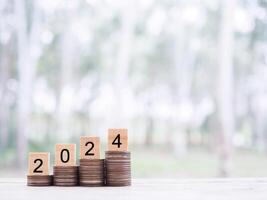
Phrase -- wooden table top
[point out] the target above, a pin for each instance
(182, 189)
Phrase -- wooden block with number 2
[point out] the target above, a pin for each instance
(118, 140)
(65, 155)
(38, 163)
(89, 147)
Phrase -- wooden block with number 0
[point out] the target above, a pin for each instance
(38, 163)
(65, 155)
(89, 147)
(118, 140)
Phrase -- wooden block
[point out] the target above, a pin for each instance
(38, 163)
(118, 139)
(89, 147)
(65, 155)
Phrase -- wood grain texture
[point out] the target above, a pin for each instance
(155, 189)
(39, 161)
(71, 148)
(85, 146)
(112, 134)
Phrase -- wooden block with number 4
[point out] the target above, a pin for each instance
(118, 140)
(89, 147)
(65, 155)
(38, 163)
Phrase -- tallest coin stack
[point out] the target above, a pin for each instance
(118, 158)
(118, 168)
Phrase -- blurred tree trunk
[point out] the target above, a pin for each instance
(68, 61)
(65, 85)
(122, 62)
(5, 51)
(149, 131)
(225, 88)
(182, 61)
(27, 55)
(6, 58)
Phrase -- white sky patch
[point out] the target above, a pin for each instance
(43, 98)
(193, 15)
(67, 99)
(81, 30)
(156, 22)
(47, 37)
(243, 21)
(50, 6)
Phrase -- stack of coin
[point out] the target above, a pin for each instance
(118, 168)
(39, 180)
(91, 172)
(66, 175)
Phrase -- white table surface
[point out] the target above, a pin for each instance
(161, 189)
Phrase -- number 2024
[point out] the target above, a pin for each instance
(116, 141)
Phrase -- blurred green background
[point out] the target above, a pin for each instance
(186, 77)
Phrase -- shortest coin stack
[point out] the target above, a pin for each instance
(91, 172)
(65, 175)
(39, 180)
(118, 168)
